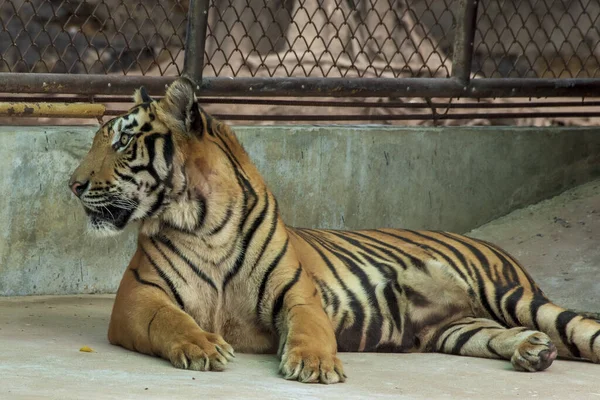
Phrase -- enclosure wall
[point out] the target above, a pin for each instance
(335, 177)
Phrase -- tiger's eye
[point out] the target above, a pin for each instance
(124, 139)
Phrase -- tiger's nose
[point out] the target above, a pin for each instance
(78, 187)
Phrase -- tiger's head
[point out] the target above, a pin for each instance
(135, 167)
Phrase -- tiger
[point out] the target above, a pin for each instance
(216, 268)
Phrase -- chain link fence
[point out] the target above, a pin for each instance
(386, 60)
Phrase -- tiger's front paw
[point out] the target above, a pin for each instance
(201, 351)
(311, 365)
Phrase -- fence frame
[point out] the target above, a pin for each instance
(459, 84)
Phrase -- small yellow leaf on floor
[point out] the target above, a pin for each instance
(86, 349)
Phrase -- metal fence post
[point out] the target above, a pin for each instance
(464, 36)
(197, 25)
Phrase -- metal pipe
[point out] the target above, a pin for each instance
(195, 39)
(305, 87)
(81, 84)
(533, 87)
(404, 117)
(54, 110)
(464, 38)
(221, 86)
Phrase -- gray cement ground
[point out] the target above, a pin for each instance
(40, 359)
(558, 239)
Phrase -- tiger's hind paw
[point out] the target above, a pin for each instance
(536, 353)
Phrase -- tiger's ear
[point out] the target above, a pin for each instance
(141, 96)
(179, 105)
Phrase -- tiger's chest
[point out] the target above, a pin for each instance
(230, 314)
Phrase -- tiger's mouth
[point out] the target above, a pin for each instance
(109, 218)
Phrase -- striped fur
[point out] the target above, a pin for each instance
(217, 269)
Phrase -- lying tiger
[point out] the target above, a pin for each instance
(217, 269)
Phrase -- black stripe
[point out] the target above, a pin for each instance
(149, 142)
(165, 278)
(464, 338)
(281, 297)
(224, 222)
(201, 216)
(147, 127)
(387, 251)
(125, 177)
(134, 150)
(323, 292)
(460, 257)
(263, 283)
(369, 255)
(332, 298)
(416, 262)
(509, 271)
(393, 305)
(168, 150)
(341, 327)
(137, 277)
(374, 331)
(513, 261)
(593, 339)
(246, 241)
(510, 304)
(247, 189)
(267, 241)
(348, 339)
(162, 253)
(562, 321)
(480, 281)
(537, 301)
(442, 346)
(491, 349)
(160, 197)
(167, 242)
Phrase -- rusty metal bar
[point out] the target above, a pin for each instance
(305, 87)
(211, 86)
(464, 36)
(53, 110)
(81, 84)
(404, 117)
(533, 87)
(195, 40)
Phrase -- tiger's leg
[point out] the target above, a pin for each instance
(528, 350)
(307, 343)
(146, 320)
(574, 335)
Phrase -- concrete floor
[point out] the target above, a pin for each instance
(40, 358)
(40, 337)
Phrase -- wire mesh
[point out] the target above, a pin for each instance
(271, 46)
(538, 39)
(334, 38)
(91, 37)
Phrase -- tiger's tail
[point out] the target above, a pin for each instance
(575, 335)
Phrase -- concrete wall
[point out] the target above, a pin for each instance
(338, 177)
